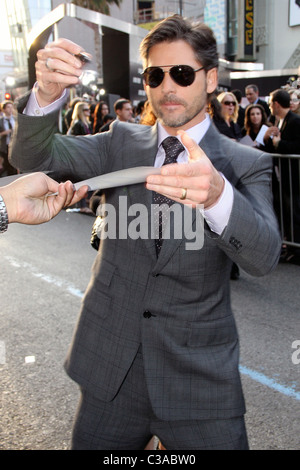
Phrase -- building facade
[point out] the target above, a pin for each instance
(253, 36)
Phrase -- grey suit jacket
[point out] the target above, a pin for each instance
(188, 334)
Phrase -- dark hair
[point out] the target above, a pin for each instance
(107, 117)
(98, 120)
(238, 94)
(214, 108)
(120, 103)
(140, 106)
(254, 87)
(282, 97)
(98, 108)
(199, 36)
(248, 124)
(5, 103)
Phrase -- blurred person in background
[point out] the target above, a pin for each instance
(285, 139)
(68, 114)
(241, 116)
(295, 100)
(252, 95)
(123, 110)
(80, 124)
(225, 116)
(139, 111)
(7, 124)
(255, 118)
(101, 110)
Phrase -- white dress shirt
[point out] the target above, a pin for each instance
(217, 216)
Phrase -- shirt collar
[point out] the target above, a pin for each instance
(196, 132)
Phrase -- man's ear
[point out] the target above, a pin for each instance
(211, 80)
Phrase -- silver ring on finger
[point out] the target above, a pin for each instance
(47, 65)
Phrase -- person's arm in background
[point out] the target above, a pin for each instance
(31, 199)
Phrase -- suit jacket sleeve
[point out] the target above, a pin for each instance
(251, 237)
(37, 145)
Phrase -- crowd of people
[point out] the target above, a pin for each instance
(84, 115)
(241, 123)
(279, 118)
(273, 127)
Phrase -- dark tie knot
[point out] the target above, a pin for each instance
(9, 123)
(173, 147)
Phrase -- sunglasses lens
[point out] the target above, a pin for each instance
(153, 76)
(183, 75)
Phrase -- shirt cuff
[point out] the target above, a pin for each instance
(217, 217)
(33, 108)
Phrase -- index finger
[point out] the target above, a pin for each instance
(65, 44)
(62, 52)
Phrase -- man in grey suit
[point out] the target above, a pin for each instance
(155, 350)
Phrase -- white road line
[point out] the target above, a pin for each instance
(45, 277)
(256, 376)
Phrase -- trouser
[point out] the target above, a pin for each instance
(7, 170)
(128, 423)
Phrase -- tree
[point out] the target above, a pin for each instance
(101, 6)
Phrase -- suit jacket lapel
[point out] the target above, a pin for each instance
(212, 146)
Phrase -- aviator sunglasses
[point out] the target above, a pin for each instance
(183, 75)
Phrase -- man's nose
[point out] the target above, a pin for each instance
(168, 83)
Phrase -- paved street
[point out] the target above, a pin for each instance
(44, 271)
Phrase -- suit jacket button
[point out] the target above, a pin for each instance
(147, 314)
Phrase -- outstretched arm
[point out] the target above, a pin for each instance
(31, 199)
(57, 68)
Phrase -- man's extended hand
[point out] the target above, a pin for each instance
(199, 177)
(56, 69)
(28, 199)
(272, 132)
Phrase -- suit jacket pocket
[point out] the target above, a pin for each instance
(98, 304)
(103, 271)
(97, 299)
(212, 333)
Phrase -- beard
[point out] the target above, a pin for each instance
(173, 118)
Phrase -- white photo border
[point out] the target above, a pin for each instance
(294, 13)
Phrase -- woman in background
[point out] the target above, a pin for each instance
(80, 124)
(295, 100)
(255, 118)
(225, 115)
(100, 111)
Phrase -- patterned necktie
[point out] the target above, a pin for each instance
(172, 147)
